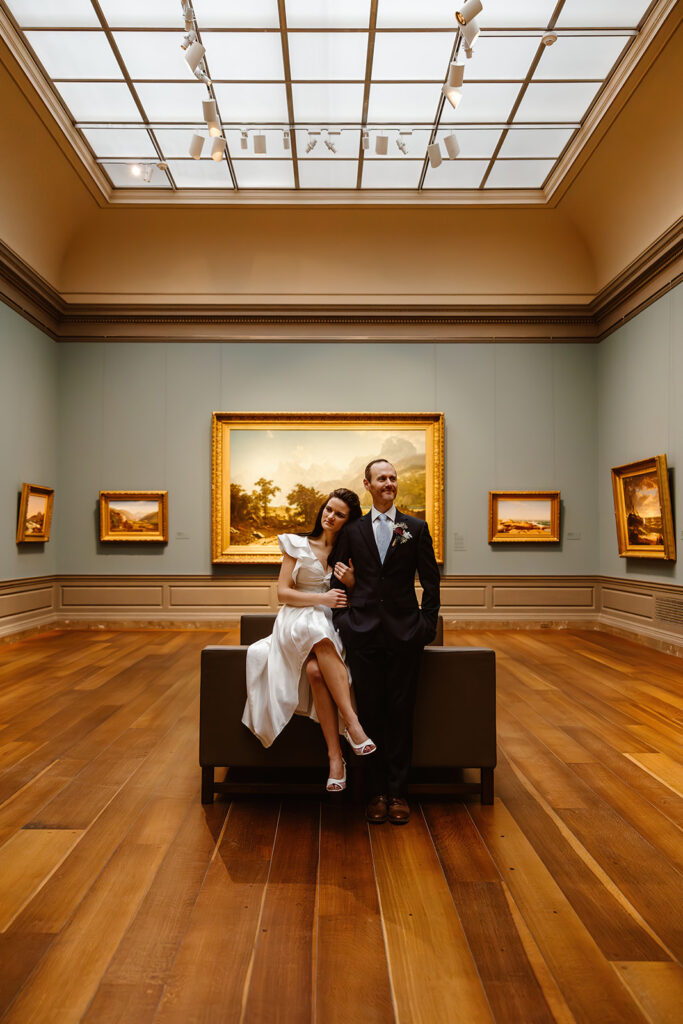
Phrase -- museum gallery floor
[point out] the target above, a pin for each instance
(124, 899)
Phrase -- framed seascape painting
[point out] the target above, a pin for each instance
(524, 516)
(35, 513)
(272, 471)
(642, 507)
(134, 515)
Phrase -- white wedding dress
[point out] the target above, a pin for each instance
(277, 685)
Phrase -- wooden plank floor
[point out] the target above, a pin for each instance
(123, 899)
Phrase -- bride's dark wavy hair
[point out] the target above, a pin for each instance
(350, 498)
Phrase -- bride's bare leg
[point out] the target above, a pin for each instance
(337, 682)
(326, 711)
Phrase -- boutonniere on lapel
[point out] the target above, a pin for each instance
(401, 535)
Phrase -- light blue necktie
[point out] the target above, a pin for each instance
(383, 536)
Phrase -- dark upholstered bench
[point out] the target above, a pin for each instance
(455, 724)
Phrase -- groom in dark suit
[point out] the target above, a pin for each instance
(384, 631)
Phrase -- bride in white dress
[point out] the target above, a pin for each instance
(304, 654)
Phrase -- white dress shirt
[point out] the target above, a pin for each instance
(390, 514)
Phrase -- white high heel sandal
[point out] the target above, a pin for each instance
(363, 748)
(337, 785)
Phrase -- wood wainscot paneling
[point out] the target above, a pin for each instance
(652, 612)
(27, 604)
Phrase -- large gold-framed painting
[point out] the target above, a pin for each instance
(271, 472)
(642, 506)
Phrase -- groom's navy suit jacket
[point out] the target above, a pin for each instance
(383, 605)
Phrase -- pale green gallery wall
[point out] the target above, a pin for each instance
(640, 412)
(90, 416)
(28, 436)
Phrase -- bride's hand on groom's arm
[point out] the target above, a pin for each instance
(344, 573)
(334, 599)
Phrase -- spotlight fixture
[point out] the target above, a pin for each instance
(434, 154)
(330, 145)
(217, 149)
(259, 143)
(193, 55)
(452, 147)
(147, 173)
(452, 95)
(136, 170)
(196, 146)
(549, 38)
(381, 144)
(189, 38)
(312, 141)
(188, 17)
(401, 146)
(244, 140)
(366, 140)
(209, 110)
(214, 129)
(285, 140)
(468, 11)
(456, 75)
(470, 34)
(202, 76)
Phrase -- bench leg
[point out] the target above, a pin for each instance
(207, 785)
(487, 785)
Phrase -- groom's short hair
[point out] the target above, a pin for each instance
(368, 468)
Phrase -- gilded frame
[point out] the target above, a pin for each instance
(430, 435)
(38, 532)
(524, 532)
(638, 487)
(157, 532)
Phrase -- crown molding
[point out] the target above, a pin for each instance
(654, 272)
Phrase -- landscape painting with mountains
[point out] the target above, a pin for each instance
(36, 510)
(529, 519)
(132, 516)
(643, 507)
(279, 478)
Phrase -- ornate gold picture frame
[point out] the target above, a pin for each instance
(134, 516)
(271, 471)
(642, 508)
(35, 514)
(524, 517)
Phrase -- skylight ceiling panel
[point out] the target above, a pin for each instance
(483, 102)
(66, 13)
(501, 57)
(475, 143)
(200, 173)
(556, 101)
(515, 14)
(153, 55)
(236, 13)
(410, 103)
(139, 14)
(406, 56)
(275, 147)
(171, 101)
(121, 176)
(328, 56)
(578, 57)
(175, 142)
(244, 55)
(519, 173)
(328, 173)
(123, 142)
(456, 174)
(409, 14)
(264, 103)
(605, 14)
(327, 13)
(327, 104)
(347, 145)
(391, 173)
(99, 101)
(264, 173)
(75, 54)
(521, 142)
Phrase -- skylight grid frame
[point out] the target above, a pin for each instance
(370, 31)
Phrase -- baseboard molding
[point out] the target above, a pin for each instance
(650, 612)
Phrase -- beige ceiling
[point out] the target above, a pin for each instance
(622, 195)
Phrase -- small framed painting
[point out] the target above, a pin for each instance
(524, 516)
(35, 513)
(642, 507)
(134, 515)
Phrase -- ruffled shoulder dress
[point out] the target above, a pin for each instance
(277, 685)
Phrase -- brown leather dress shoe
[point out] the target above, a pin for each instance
(377, 810)
(399, 811)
